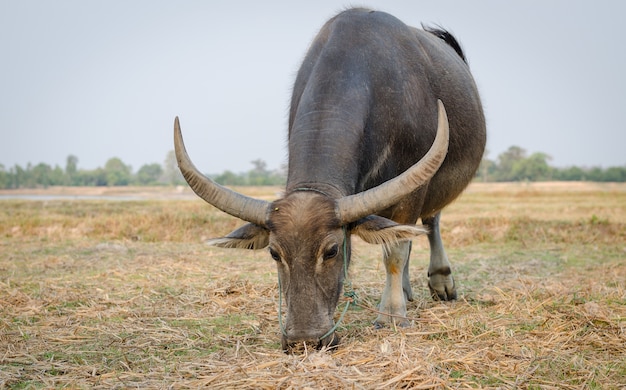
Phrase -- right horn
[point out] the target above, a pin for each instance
(354, 207)
(231, 202)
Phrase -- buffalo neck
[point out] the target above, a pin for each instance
(324, 151)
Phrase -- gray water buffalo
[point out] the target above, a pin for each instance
(385, 127)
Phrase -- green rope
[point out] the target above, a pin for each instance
(348, 293)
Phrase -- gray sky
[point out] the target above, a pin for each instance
(101, 79)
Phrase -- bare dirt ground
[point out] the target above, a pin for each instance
(98, 293)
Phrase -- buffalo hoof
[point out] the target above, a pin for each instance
(397, 322)
(442, 287)
(303, 346)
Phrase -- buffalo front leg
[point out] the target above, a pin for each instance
(393, 301)
(406, 278)
(440, 280)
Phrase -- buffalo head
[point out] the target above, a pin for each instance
(308, 233)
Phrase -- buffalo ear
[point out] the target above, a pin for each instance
(249, 236)
(378, 230)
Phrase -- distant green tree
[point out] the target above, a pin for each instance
(117, 173)
(277, 177)
(149, 174)
(5, 177)
(506, 161)
(259, 175)
(58, 176)
(595, 174)
(92, 178)
(171, 173)
(26, 177)
(615, 174)
(16, 173)
(533, 168)
(71, 169)
(40, 175)
(228, 178)
(569, 174)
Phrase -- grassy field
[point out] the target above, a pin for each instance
(115, 294)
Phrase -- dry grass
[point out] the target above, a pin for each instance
(118, 294)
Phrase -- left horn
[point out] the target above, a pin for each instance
(357, 206)
(231, 202)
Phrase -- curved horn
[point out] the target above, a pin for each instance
(231, 202)
(357, 206)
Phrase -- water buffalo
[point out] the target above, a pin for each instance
(371, 150)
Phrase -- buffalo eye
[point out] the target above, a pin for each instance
(274, 254)
(331, 252)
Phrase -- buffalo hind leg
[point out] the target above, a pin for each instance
(393, 301)
(440, 280)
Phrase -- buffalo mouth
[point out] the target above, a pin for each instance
(299, 347)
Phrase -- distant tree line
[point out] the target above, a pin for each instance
(515, 164)
(259, 175)
(116, 173)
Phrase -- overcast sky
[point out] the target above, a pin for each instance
(102, 79)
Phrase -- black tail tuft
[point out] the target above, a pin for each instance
(448, 38)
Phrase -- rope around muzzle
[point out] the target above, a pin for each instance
(348, 293)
